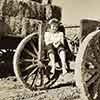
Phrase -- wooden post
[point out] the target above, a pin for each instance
(40, 41)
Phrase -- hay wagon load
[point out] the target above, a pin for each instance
(19, 19)
(22, 27)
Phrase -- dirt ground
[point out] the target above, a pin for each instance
(63, 89)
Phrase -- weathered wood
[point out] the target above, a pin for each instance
(40, 41)
(81, 68)
(87, 26)
(24, 69)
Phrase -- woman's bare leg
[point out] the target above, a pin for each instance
(63, 61)
(52, 61)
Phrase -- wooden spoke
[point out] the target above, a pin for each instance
(30, 53)
(33, 80)
(92, 79)
(94, 49)
(28, 60)
(92, 63)
(36, 79)
(30, 74)
(34, 48)
(29, 67)
(36, 69)
(2, 51)
(41, 77)
(33, 61)
(8, 50)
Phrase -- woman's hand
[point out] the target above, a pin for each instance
(56, 44)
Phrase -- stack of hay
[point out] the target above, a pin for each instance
(18, 15)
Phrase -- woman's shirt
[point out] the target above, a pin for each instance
(53, 38)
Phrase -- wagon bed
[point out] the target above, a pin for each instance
(10, 42)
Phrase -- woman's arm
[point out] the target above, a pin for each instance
(61, 35)
(47, 38)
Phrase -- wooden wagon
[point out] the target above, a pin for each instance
(31, 64)
(30, 61)
(87, 71)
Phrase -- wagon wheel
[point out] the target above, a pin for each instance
(29, 70)
(6, 56)
(87, 72)
(6, 65)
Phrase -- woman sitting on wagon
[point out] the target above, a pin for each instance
(54, 41)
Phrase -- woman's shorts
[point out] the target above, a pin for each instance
(55, 51)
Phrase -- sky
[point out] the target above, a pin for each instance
(75, 10)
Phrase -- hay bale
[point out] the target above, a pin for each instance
(48, 11)
(14, 23)
(40, 11)
(29, 26)
(17, 15)
(19, 26)
(10, 8)
(15, 8)
(52, 11)
(32, 8)
(56, 12)
(36, 10)
(4, 28)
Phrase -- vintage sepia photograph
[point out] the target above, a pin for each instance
(49, 50)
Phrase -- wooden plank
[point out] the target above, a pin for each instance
(40, 41)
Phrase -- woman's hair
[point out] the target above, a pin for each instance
(56, 21)
(53, 21)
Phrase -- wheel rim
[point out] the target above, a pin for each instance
(87, 67)
(28, 69)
